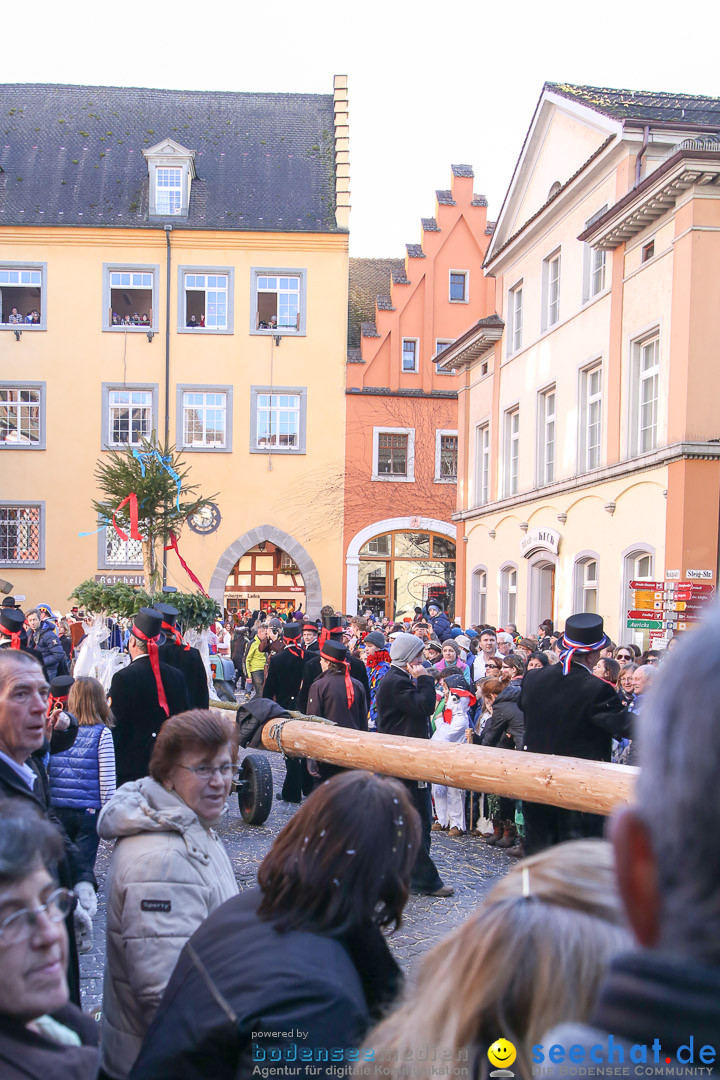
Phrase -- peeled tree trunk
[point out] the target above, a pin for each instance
(150, 565)
(595, 787)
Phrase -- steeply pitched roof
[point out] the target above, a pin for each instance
(644, 105)
(369, 278)
(72, 155)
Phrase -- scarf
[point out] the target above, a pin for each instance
(177, 635)
(382, 656)
(155, 664)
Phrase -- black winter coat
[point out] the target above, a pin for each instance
(283, 677)
(189, 663)
(328, 698)
(25, 1055)
(45, 641)
(575, 715)
(238, 976)
(404, 706)
(505, 728)
(313, 670)
(138, 716)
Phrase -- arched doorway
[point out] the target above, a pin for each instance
(541, 591)
(266, 566)
(400, 563)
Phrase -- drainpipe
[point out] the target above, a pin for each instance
(641, 155)
(168, 230)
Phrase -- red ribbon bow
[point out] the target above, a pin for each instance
(177, 635)
(14, 636)
(53, 701)
(155, 664)
(134, 529)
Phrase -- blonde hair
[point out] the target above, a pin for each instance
(532, 955)
(87, 701)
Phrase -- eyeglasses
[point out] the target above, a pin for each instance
(204, 772)
(496, 666)
(624, 656)
(18, 926)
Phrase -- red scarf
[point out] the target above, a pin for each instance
(177, 635)
(295, 649)
(382, 656)
(155, 664)
(14, 637)
(349, 691)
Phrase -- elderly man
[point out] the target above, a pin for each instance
(504, 643)
(668, 991)
(23, 728)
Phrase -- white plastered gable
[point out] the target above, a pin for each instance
(563, 135)
(170, 154)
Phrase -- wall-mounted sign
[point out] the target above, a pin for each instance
(672, 575)
(699, 575)
(540, 540)
(117, 579)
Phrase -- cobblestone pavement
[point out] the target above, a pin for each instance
(465, 863)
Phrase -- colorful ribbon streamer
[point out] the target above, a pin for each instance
(134, 529)
(164, 460)
(155, 665)
(173, 546)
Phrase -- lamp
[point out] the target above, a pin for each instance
(524, 526)
(150, 335)
(18, 334)
(562, 517)
(610, 508)
(262, 545)
(492, 534)
(277, 339)
(5, 587)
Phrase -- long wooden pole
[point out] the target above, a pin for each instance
(574, 783)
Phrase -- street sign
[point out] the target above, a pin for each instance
(646, 605)
(643, 624)
(647, 585)
(639, 613)
(700, 575)
(672, 575)
(701, 587)
(648, 595)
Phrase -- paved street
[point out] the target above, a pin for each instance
(465, 863)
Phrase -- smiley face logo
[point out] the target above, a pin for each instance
(502, 1053)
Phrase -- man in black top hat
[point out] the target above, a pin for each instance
(13, 634)
(142, 696)
(282, 684)
(337, 696)
(183, 657)
(333, 629)
(310, 637)
(568, 711)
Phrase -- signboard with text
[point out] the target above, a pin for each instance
(664, 606)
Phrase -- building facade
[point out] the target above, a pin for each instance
(400, 480)
(588, 433)
(174, 262)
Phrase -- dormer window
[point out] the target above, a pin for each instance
(171, 170)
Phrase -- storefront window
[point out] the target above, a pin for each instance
(407, 577)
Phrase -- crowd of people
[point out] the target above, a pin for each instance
(15, 318)
(586, 940)
(131, 320)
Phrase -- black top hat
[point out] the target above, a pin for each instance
(168, 612)
(60, 686)
(292, 631)
(332, 622)
(309, 624)
(455, 682)
(585, 631)
(335, 652)
(8, 602)
(12, 620)
(148, 622)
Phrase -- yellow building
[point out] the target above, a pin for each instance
(589, 432)
(175, 262)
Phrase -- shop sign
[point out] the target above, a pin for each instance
(540, 540)
(120, 579)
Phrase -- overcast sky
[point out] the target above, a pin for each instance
(429, 84)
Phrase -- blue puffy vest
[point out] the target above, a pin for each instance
(74, 775)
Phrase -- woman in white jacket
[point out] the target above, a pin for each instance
(169, 870)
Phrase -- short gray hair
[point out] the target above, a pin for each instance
(26, 840)
(16, 656)
(676, 793)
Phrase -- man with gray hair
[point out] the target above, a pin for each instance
(668, 992)
(405, 701)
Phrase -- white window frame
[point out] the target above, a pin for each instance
(28, 564)
(511, 452)
(583, 584)
(591, 406)
(300, 392)
(439, 478)
(515, 319)
(638, 379)
(415, 342)
(482, 463)
(161, 190)
(440, 345)
(551, 281)
(478, 599)
(547, 436)
(35, 387)
(107, 313)
(594, 264)
(203, 388)
(465, 299)
(409, 477)
(257, 272)
(107, 390)
(105, 563)
(508, 593)
(207, 271)
(24, 267)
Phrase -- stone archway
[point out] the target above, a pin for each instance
(310, 575)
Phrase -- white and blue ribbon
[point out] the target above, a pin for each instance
(575, 647)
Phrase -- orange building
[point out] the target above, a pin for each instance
(400, 483)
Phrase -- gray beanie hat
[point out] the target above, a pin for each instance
(452, 643)
(375, 638)
(405, 647)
